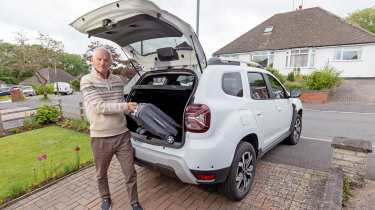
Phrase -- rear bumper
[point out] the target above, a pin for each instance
(174, 164)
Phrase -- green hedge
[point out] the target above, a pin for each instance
(39, 89)
(277, 74)
(322, 79)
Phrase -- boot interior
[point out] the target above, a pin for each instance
(169, 92)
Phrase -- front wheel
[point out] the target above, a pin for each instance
(242, 173)
(295, 134)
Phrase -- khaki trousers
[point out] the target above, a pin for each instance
(103, 149)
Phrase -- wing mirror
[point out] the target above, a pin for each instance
(295, 93)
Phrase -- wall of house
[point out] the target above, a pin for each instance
(364, 67)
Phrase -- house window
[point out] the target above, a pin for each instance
(263, 58)
(299, 58)
(268, 29)
(233, 56)
(348, 54)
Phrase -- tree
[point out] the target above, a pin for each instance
(115, 54)
(364, 18)
(34, 57)
(50, 55)
(124, 68)
(74, 64)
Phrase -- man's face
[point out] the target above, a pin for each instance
(101, 61)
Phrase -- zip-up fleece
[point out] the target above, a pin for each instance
(104, 103)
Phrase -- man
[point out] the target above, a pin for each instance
(105, 108)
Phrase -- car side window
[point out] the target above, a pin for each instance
(232, 84)
(258, 87)
(277, 89)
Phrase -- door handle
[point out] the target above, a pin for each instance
(259, 114)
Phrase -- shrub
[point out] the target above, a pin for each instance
(295, 85)
(15, 130)
(277, 74)
(46, 114)
(290, 77)
(31, 123)
(39, 89)
(324, 78)
(78, 125)
(75, 84)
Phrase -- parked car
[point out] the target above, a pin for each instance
(62, 88)
(229, 115)
(28, 91)
(4, 91)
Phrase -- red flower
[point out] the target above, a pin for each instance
(42, 157)
(77, 149)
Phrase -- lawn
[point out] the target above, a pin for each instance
(4, 98)
(29, 158)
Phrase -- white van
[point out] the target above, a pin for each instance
(62, 87)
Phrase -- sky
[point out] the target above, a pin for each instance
(221, 21)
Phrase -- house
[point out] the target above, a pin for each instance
(50, 75)
(305, 40)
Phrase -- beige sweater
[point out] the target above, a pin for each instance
(104, 103)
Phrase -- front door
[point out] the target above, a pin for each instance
(282, 104)
(263, 107)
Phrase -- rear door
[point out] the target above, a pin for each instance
(263, 107)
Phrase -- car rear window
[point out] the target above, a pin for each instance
(171, 79)
(232, 84)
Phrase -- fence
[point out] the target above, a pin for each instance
(16, 118)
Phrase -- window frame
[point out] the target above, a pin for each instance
(269, 54)
(342, 50)
(269, 84)
(265, 81)
(310, 63)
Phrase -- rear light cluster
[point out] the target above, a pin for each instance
(197, 118)
(205, 177)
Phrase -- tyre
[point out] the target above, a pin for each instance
(295, 135)
(242, 173)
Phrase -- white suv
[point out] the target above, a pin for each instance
(229, 114)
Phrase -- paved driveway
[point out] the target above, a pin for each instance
(354, 91)
(276, 186)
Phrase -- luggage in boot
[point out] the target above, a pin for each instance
(155, 121)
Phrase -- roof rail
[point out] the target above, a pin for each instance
(221, 61)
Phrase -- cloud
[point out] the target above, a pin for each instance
(221, 21)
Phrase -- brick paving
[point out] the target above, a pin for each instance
(276, 186)
(363, 198)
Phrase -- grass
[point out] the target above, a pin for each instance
(346, 194)
(4, 98)
(20, 168)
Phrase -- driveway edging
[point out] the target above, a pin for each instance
(332, 198)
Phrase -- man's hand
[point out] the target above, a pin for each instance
(132, 106)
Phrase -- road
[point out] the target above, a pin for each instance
(319, 127)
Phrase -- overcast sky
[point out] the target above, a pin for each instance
(221, 21)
